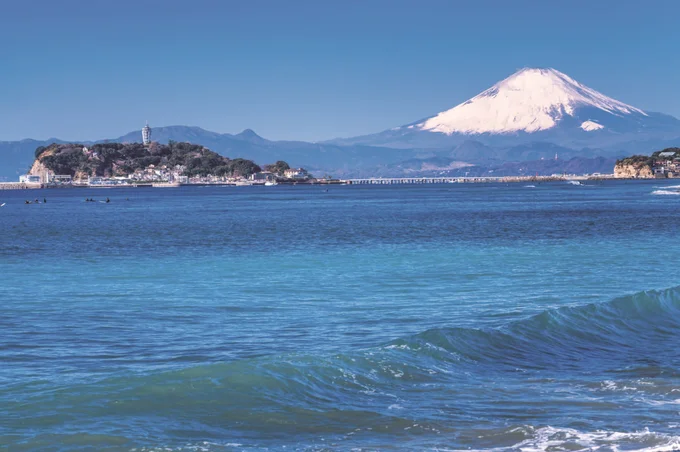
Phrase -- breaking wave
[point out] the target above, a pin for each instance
(550, 439)
(666, 192)
(427, 390)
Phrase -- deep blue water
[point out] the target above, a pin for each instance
(480, 316)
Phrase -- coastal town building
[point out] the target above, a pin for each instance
(296, 173)
(96, 181)
(264, 176)
(160, 174)
(30, 179)
(59, 179)
(666, 164)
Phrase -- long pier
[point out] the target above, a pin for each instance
(360, 181)
(417, 180)
(460, 180)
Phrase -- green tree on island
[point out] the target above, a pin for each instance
(123, 159)
(277, 168)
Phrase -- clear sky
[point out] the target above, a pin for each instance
(310, 70)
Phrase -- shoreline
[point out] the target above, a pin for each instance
(357, 181)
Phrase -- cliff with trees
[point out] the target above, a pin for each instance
(636, 167)
(664, 163)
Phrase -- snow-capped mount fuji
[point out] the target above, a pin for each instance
(529, 101)
(532, 104)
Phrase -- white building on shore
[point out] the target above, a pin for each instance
(30, 179)
(296, 173)
(264, 176)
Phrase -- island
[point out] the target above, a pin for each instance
(153, 164)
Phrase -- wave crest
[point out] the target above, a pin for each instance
(568, 335)
(444, 380)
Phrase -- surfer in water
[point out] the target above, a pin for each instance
(108, 200)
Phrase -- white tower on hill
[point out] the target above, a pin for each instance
(146, 134)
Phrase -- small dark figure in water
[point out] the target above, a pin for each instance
(36, 200)
(108, 200)
(27, 202)
(44, 200)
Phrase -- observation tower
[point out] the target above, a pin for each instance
(146, 134)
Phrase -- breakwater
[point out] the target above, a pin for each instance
(17, 185)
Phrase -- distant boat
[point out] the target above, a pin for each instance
(270, 183)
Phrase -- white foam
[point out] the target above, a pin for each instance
(203, 446)
(552, 438)
(665, 192)
(609, 385)
(662, 402)
(398, 347)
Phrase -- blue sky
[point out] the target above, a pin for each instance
(310, 70)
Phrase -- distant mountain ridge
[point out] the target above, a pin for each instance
(436, 166)
(16, 157)
(529, 116)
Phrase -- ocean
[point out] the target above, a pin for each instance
(438, 317)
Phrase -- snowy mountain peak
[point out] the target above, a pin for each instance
(529, 101)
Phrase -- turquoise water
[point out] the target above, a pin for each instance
(481, 316)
